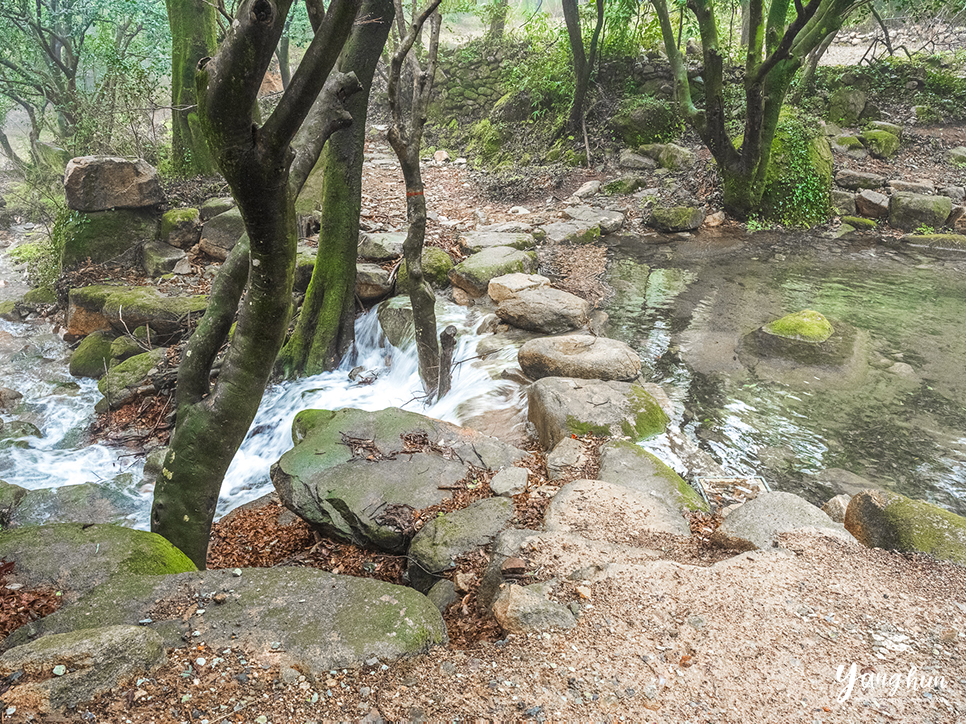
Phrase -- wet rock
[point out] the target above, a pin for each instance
(353, 476)
(372, 282)
(93, 355)
(87, 503)
(626, 464)
(881, 519)
(871, 204)
(579, 355)
(220, 234)
(396, 319)
(802, 339)
(909, 211)
(100, 183)
(509, 285)
(472, 242)
(560, 406)
(318, 621)
(525, 609)
(384, 246)
(96, 660)
(856, 180)
(474, 273)
(434, 550)
(76, 557)
(628, 512)
(608, 221)
(14, 432)
(953, 242)
(545, 310)
(758, 523)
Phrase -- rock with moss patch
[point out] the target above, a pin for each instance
(630, 465)
(103, 236)
(881, 519)
(474, 273)
(358, 476)
(560, 406)
(86, 503)
(799, 175)
(220, 234)
(437, 545)
(96, 661)
(669, 155)
(117, 384)
(76, 557)
(93, 355)
(181, 228)
(881, 144)
(845, 143)
(651, 121)
(158, 259)
(859, 223)
(576, 231)
(846, 105)
(8, 311)
(626, 184)
(302, 618)
(957, 156)
(952, 242)
(804, 326)
(513, 107)
(757, 523)
(217, 205)
(99, 183)
(125, 347)
(384, 246)
(909, 211)
(677, 218)
(472, 242)
(437, 264)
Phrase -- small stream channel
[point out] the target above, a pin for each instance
(897, 419)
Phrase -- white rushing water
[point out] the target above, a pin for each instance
(33, 361)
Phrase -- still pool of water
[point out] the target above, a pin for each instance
(896, 415)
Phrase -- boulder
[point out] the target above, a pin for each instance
(444, 538)
(677, 218)
(509, 482)
(894, 129)
(96, 660)
(527, 609)
(910, 211)
(513, 107)
(579, 506)
(125, 346)
(579, 355)
(572, 232)
(635, 161)
(881, 519)
(804, 326)
(545, 310)
(360, 476)
(13, 434)
(626, 184)
(608, 221)
(472, 242)
(799, 175)
(220, 234)
(802, 339)
(957, 156)
(559, 407)
(384, 246)
(217, 205)
(650, 121)
(915, 187)
(103, 236)
(956, 193)
(372, 282)
(99, 183)
(669, 155)
(474, 273)
(624, 463)
(847, 143)
(509, 285)
(105, 306)
(181, 228)
(395, 317)
(117, 385)
(158, 259)
(846, 105)
(757, 523)
(437, 264)
(76, 557)
(93, 355)
(87, 503)
(856, 180)
(871, 204)
(881, 144)
(302, 618)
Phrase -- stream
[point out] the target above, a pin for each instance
(898, 419)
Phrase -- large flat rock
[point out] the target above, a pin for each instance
(544, 309)
(360, 476)
(758, 523)
(474, 273)
(300, 617)
(631, 466)
(124, 309)
(579, 355)
(472, 242)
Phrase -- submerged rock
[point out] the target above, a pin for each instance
(804, 326)
(805, 338)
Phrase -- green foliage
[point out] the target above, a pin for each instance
(486, 142)
(924, 230)
(797, 186)
(756, 223)
(42, 256)
(550, 82)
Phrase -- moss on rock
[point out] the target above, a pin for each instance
(798, 182)
(805, 326)
(92, 357)
(104, 235)
(436, 266)
(881, 144)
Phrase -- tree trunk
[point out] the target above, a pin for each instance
(501, 8)
(583, 63)
(194, 35)
(284, 67)
(212, 420)
(326, 325)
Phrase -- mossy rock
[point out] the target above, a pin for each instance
(485, 142)
(677, 218)
(436, 266)
(893, 128)
(130, 372)
(87, 503)
(181, 228)
(627, 464)
(881, 144)
(669, 155)
(652, 121)
(92, 358)
(514, 107)
(125, 347)
(955, 242)
(880, 519)
(805, 326)
(103, 236)
(214, 206)
(798, 182)
(40, 295)
(957, 156)
(860, 223)
(8, 311)
(12, 434)
(847, 143)
(909, 211)
(846, 105)
(76, 557)
(627, 184)
(124, 308)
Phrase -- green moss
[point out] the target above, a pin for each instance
(649, 418)
(937, 241)
(580, 429)
(881, 144)
(104, 235)
(798, 182)
(40, 295)
(805, 326)
(130, 372)
(624, 185)
(92, 357)
(486, 142)
(859, 222)
(8, 311)
(927, 528)
(176, 218)
(436, 266)
(645, 119)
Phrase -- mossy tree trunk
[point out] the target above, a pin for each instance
(405, 137)
(212, 419)
(774, 53)
(583, 61)
(194, 35)
(324, 331)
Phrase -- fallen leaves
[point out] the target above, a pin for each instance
(19, 606)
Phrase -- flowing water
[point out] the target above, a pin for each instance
(896, 415)
(896, 418)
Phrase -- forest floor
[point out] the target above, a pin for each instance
(767, 636)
